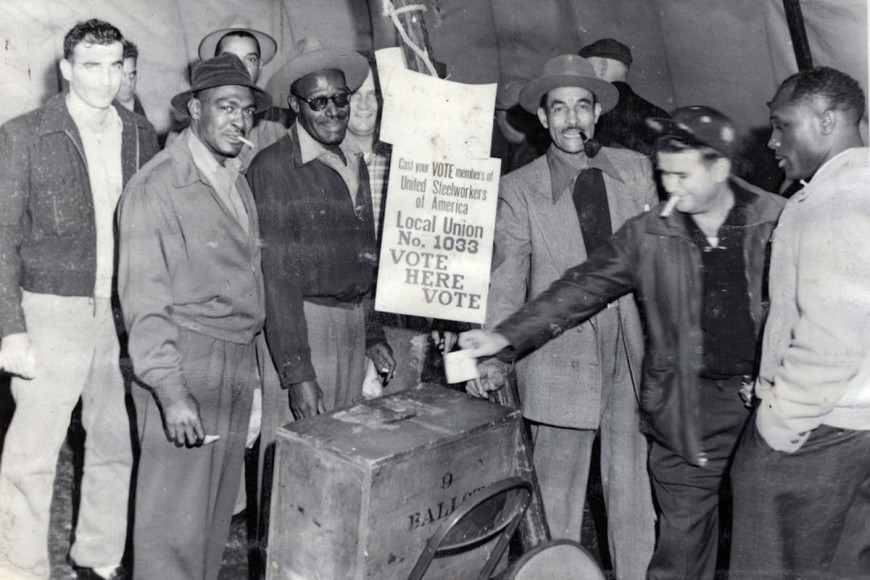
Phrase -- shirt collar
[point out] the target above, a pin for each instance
(564, 168)
(310, 148)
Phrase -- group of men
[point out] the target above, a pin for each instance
(182, 282)
(704, 268)
(220, 244)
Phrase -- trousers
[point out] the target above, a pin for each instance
(77, 355)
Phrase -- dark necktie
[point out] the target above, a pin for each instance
(593, 211)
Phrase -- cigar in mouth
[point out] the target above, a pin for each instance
(246, 142)
(669, 206)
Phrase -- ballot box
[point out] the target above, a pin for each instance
(358, 492)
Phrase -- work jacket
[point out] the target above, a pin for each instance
(656, 258)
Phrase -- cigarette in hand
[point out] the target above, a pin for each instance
(669, 206)
(246, 142)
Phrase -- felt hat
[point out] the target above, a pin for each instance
(226, 69)
(568, 70)
(607, 48)
(209, 43)
(311, 56)
(699, 125)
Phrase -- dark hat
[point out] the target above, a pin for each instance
(208, 45)
(310, 56)
(568, 70)
(699, 125)
(225, 69)
(607, 48)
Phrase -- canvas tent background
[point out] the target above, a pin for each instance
(729, 55)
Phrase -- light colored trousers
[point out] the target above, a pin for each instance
(562, 459)
(77, 354)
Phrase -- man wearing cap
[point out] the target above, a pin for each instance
(191, 290)
(551, 214)
(801, 473)
(318, 238)
(624, 125)
(62, 169)
(699, 273)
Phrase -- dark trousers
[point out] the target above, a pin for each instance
(804, 514)
(185, 496)
(687, 495)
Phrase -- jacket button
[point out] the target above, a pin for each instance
(575, 364)
(580, 328)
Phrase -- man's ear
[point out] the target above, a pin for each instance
(294, 103)
(66, 69)
(194, 108)
(721, 170)
(542, 117)
(828, 121)
(597, 110)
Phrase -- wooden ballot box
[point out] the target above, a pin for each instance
(358, 492)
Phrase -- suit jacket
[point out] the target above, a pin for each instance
(536, 241)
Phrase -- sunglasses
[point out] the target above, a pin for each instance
(341, 100)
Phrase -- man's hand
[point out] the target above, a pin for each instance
(493, 376)
(306, 399)
(16, 355)
(183, 424)
(481, 343)
(382, 355)
(444, 339)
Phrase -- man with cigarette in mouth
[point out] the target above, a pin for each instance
(552, 214)
(698, 274)
(191, 290)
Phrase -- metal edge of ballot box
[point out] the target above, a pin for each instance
(358, 492)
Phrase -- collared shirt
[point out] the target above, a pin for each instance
(564, 168)
(221, 177)
(347, 168)
(102, 147)
(378, 164)
(729, 333)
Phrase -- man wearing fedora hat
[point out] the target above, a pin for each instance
(318, 238)
(699, 272)
(552, 213)
(624, 125)
(191, 289)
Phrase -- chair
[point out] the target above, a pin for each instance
(556, 560)
(496, 510)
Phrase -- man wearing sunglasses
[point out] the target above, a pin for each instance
(318, 238)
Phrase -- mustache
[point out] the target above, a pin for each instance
(578, 129)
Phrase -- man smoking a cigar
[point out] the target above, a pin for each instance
(698, 274)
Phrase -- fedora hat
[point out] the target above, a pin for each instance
(225, 69)
(208, 45)
(568, 70)
(310, 56)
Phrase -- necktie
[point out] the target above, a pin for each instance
(593, 211)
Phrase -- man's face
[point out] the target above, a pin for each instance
(246, 49)
(328, 125)
(796, 136)
(94, 72)
(695, 181)
(363, 109)
(128, 80)
(220, 116)
(570, 111)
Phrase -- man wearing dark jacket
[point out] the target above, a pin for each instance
(62, 168)
(698, 274)
(624, 125)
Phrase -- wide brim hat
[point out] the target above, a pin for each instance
(699, 125)
(310, 56)
(226, 69)
(568, 70)
(208, 45)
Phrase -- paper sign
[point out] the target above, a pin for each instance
(436, 245)
(459, 367)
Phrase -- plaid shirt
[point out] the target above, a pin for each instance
(378, 164)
